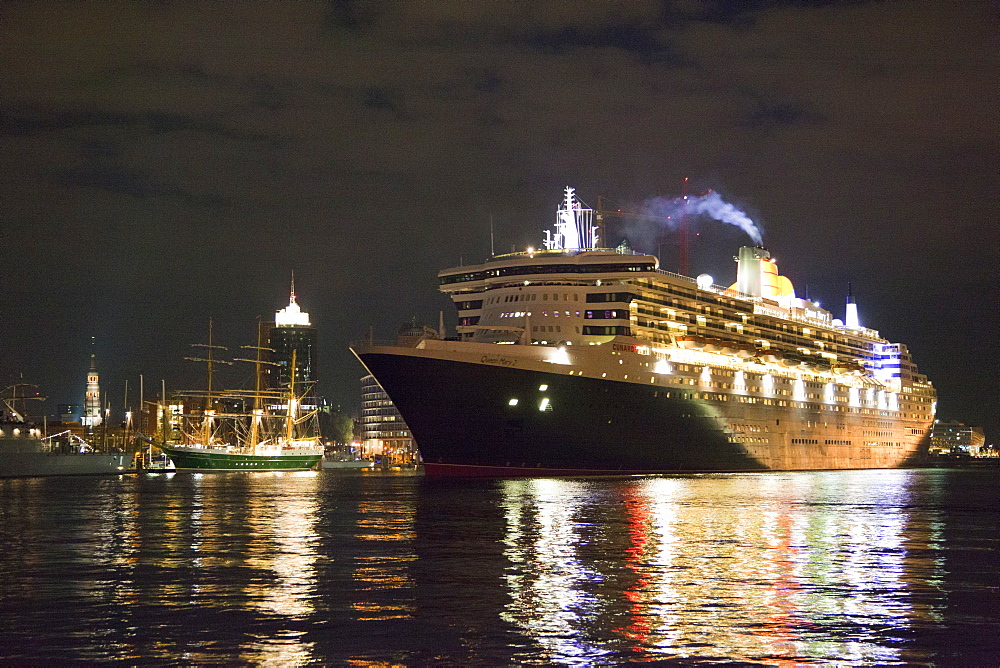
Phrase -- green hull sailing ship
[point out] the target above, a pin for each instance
(239, 430)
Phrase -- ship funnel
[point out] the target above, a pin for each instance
(748, 270)
(851, 312)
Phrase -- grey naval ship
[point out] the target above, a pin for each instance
(25, 450)
(575, 360)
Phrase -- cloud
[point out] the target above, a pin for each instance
(770, 117)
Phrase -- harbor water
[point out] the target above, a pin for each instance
(849, 567)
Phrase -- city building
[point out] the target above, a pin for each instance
(955, 438)
(292, 335)
(69, 412)
(385, 437)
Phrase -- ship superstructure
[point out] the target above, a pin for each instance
(581, 360)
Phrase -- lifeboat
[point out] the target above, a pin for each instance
(770, 357)
(744, 350)
(691, 342)
(713, 345)
(790, 362)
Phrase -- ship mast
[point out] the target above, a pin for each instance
(209, 361)
(259, 362)
(290, 413)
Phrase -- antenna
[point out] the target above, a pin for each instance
(683, 228)
(492, 253)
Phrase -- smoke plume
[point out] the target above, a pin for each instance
(711, 204)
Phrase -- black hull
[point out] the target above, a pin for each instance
(460, 414)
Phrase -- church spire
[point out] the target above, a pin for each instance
(92, 396)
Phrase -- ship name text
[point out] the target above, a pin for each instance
(501, 361)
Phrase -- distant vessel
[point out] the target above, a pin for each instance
(346, 464)
(578, 360)
(26, 451)
(240, 430)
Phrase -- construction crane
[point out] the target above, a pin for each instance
(600, 213)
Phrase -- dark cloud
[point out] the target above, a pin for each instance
(348, 14)
(120, 180)
(35, 121)
(770, 117)
(383, 99)
(646, 43)
(739, 13)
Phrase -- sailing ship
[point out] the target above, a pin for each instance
(577, 360)
(25, 449)
(242, 430)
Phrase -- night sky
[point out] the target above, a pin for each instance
(164, 163)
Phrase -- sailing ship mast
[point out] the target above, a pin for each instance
(292, 402)
(210, 361)
(258, 410)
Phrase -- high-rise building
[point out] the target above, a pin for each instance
(92, 397)
(955, 438)
(385, 437)
(292, 335)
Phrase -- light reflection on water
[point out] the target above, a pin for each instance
(800, 566)
(379, 573)
(875, 567)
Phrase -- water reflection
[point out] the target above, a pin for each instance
(548, 583)
(760, 567)
(382, 574)
(188, 549)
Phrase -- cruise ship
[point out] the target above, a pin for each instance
(575, 360)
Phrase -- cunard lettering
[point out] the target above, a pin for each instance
(502, 361)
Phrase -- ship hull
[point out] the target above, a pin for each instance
(494, 419)
(201, 459)
(26, 464)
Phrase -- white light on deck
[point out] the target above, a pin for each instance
(512, 402)
(542, 388)
(545, 404)
(799, 390)
(740, 382)
(559, 356)
(853, 396)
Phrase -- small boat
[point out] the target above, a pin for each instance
(790, 362)
(691, 342)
